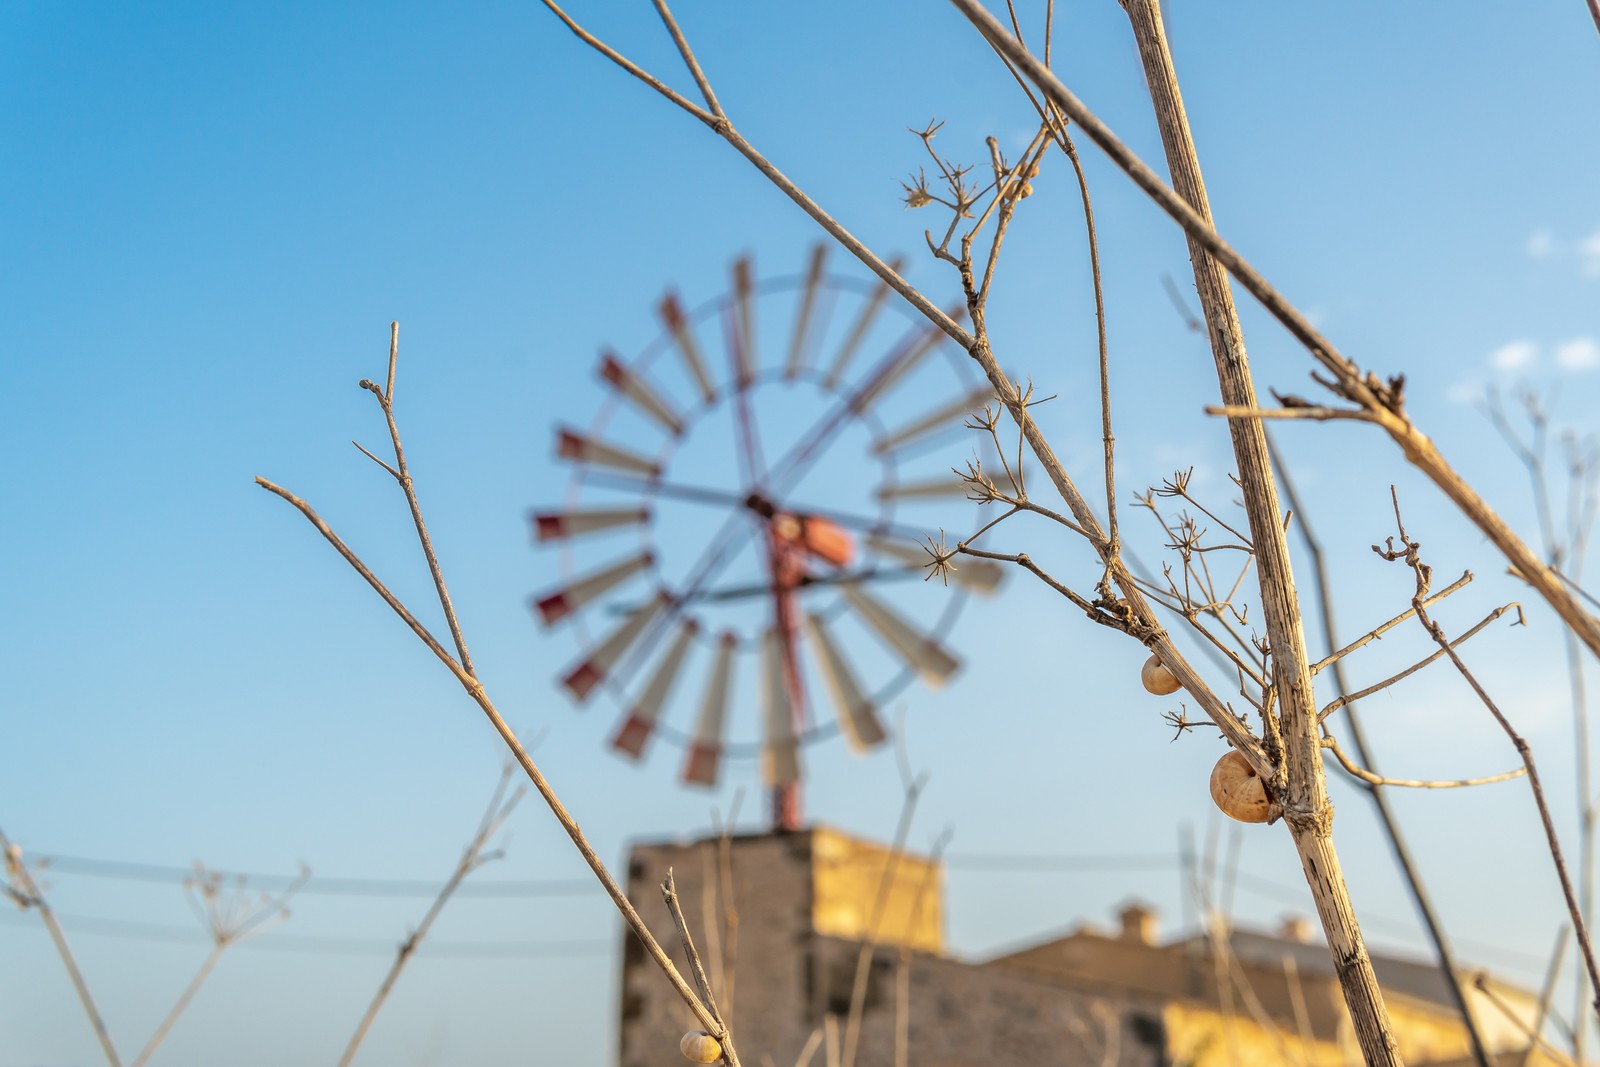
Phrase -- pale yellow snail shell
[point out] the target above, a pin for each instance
(1237, 791)
(1157, 679)
(698, 1046)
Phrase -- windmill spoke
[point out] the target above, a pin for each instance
(581, 680)
(553, 607)
(688, 349)
(636, 729)
(742, 339)
(794, 464)
(858, 332)
(919, 652)
(858, 718)
(641, 392)
(705, 754)
(938, 419)
(907, 355)
(948, 486)
(561, 525)
(780, 751)
(802, 322)
(570, 444)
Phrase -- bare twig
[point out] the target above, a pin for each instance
(25, 892)
(1382, 401)
(1332, 745)
(403, 476)
(1409, 553)
(472, 857)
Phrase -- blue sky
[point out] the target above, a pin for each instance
(213, 213)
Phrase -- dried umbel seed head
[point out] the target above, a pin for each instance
(1237, 791)
(698, 1046)
(1157, 679)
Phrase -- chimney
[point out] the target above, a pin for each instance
(1295, 928)
(1138, 924)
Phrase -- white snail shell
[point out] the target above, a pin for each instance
(1157, 679)
(1237, 791)
(698, 1046)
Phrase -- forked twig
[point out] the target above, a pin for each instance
(1410, 554)
(480, 697)
(472, 857)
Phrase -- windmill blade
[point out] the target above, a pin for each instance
(949, 486)
(561, 525)
(553, 607)
(641, 392)
(939, 419)
(858, 332)
(688, 349)
(705, 754)
(916, 650)
(581, 680)
(858, 718)
(742, 338)
(911, 351)
(780, 751)
(636, 729)
(802, 323)
(982, 576)
(570, 444)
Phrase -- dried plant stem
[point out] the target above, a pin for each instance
(1380, 403)
(1409, 553)
(1547, 993)
(480, 697)
(1391, 825)
(1332, 745)
(403, 475)
(869, 947)
(472, 858)
(669, 893)
(1130, 612)
(199, 979)
(1299, 787)
(27, 894)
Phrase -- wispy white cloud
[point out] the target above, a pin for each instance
(1578, 354)
(1514, 355)
(1540, 244)
(1589, 255)
(1467, 394)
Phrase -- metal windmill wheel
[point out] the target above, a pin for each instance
(742, 525)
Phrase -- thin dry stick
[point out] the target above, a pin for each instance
(403, 475)
(1514, 1016)
(227, 927)
(26, 893)
(1547, 993)
(669, 893)
(472, 857)
(480, 697)
(869, 947)
(1410, 554)
(178, 1007)
(1299, 783)
(1332, 745)
(1380, 403)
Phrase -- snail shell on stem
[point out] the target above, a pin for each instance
(698, 1046)
(1237, 791)
(1157, 679)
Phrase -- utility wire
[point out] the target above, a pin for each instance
(310, 943)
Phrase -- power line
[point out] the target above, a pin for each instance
(311, 943)
(319, 885)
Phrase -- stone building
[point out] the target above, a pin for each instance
(788, 958)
